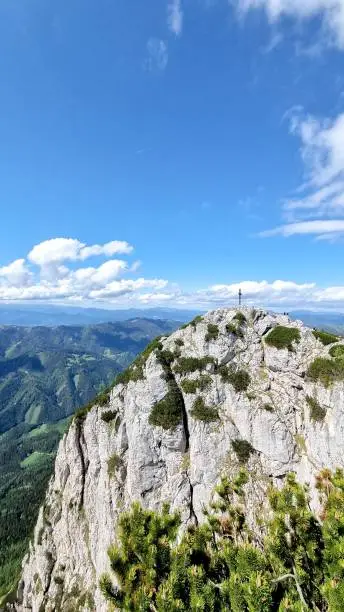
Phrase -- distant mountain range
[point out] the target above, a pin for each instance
(45, 373)
(329, 321)
(51, 315)
(48, 315)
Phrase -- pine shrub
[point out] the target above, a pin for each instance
(242, 449)
(239, 379)
(296, 564)
(168, 413)
(187, 365)
(108, 416)
(201, 412)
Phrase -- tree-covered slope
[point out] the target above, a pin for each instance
(45, 373)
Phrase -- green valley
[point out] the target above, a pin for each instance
(45, 374)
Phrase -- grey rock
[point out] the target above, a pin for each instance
(85, 499)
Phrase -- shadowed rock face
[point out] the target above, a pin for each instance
(102, 467)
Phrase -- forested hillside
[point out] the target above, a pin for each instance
(45, 373)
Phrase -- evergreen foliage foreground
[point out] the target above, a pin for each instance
(296, 565)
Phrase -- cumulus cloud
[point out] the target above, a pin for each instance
(57, 250)
(157, 55)
(16, 274)
(331, 12)
(175, 17)
(53, 270)
(112, 282)
(279, 294)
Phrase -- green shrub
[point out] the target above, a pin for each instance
(135, 370)
(324, 337)
(337, 351)
(166, 356)
(81, 414)
(58, 580)
(296, 563)
(240, 317)
(212, 332)
(283, 337)
(204, 413)
(179, 342)
(317, 412)
(239, 379)
(168, 413)
(103, 398)
(108, 415)
(114, 463)
(326, 371)
(196, 320)
(186, 365)
(242, 449)
(234, 329)
(192, 386)
(268, 408)
(133, 373)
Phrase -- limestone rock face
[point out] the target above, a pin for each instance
(102, 467)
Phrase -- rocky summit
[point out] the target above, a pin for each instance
(234, 387)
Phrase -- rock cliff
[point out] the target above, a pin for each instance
(207, 398)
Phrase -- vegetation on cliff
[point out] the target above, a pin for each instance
(296, 564)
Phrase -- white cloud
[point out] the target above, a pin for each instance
(308, 227)
(112, 282)
(320, 200)
(16, 274)
(122, 287)
(45, 274)
(68, 249)
(175, 17)
(322, 147)
(331, 13)
(157, 55)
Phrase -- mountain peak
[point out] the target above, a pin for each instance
(234, 387)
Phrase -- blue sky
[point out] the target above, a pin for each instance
(203, 140)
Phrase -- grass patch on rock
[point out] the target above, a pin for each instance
(317, 412)
(326, 371)
(114, 463)
(187, 365)
(239, 379)
(212, 332)
(240, 317)
(283, 337)
(231, 328)
(337, 351)
(324, 337)
(204, 413)
(192, 386)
